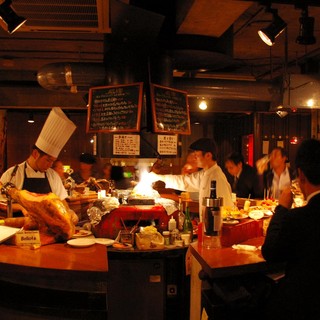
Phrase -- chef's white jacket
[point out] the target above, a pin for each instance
(199, 181)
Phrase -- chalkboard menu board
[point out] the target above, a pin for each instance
(170, 110)
(115, 108)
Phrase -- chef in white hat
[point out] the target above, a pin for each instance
(35, 174)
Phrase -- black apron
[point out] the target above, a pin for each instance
(37, 185)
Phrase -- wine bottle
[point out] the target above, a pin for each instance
(187, 225)
(181, 215)
(213, 221)
(213, 189)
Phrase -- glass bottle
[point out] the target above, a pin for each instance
(181, 215)
(212, 219)
(187, 225)
(213, 189)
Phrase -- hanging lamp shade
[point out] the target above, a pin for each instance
(306, 30)
(272, 31)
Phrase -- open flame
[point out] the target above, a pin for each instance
(144, 187)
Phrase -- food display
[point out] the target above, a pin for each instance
(46, 212)
(149, 238)
(264, 209)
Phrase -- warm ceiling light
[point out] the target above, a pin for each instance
(271, 32)
(11, 20)
(203, 105)
(306, 30)
(30, 119)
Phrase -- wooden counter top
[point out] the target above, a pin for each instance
(55, 266)
(226, 261)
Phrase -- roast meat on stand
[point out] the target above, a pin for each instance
(47, 210)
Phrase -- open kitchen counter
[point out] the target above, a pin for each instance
(55, 281)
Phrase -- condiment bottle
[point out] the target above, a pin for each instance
(181, 215)
(172, 224)
(166, 235)
(187, 225)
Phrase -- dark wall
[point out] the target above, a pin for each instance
(227, 129)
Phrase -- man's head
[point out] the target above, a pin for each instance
(191, 164)
(307, 162)
(234, 163)
(278, 158)
(205, 151)
(87, 160)
(39, 160)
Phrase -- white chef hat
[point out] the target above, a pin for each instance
(55, 133)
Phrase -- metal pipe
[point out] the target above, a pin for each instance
(228, 89)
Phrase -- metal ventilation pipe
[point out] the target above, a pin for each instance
(71, 76)
(228, 89)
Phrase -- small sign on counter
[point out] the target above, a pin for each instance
(28, 238)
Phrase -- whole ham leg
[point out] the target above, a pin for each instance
(47, 210)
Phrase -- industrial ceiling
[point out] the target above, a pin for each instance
(214, 49)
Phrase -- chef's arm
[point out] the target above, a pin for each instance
(74, 216)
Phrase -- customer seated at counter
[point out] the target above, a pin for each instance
(278, 176)
(205, 151)
(242, 177)
(293, 237)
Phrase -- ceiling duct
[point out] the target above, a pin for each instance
(229, 89)
(79, 77)
(71, 77)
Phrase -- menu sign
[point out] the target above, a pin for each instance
(167, 144)
(170, 110)
(126, 144)
(115, 108)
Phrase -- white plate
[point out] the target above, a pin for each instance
(231, 222)
(104, 241)
(239, 216)
(267, 213)
(81, 233)
(81, 242)
(256, 214)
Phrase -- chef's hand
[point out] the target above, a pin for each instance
(286, 198)
(157, 166)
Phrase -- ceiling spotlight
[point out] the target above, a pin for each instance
(9, 18)
(271, 32)
(306, 30)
